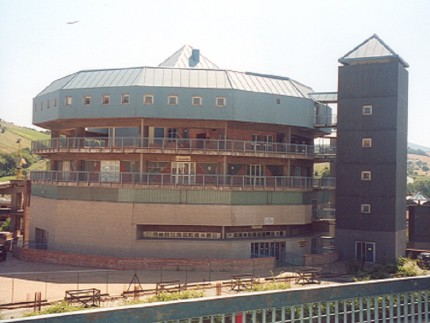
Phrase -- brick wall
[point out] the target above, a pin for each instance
(105, 262)
(321, 259)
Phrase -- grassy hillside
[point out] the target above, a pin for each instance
(10, 133)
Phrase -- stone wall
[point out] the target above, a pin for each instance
(106, 262)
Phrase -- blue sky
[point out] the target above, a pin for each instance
(299, 39)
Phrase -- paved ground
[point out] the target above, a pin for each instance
(20, 280)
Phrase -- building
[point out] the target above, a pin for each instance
(156, 161)
(188, 160)
(371, 156)
(419, 223)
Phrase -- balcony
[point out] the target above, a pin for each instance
(192, 181)
(225, 147)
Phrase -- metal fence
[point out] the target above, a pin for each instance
(163, 179)
(391, 300)
(184, 145)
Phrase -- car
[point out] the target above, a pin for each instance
(3, 253)
(424, 260)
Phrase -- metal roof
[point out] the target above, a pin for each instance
(373, 48)
(171, 74)
(324, 97)
(188, 57)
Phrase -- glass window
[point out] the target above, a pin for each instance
(68, 100)
(366, 175)
(367, 110)
(172, 100)
(197, 101)
(365, 208)
(220, 101)
(106, 99)
(148, 99)
(55, 102)
(278, 101)
(366, 142)
(87, 100)
(125, 99)
(48, 104)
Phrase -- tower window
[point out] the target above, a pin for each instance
(68, 100)
(367, 110)
(172, 100)
(148, 99)
(278, 101)
(221, 102)
(197, 101)
(366, 142)
(365, 208)
(106, 99)
(366, 175)
(87, 100)
(125, 99)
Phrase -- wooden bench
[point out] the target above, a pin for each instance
(242, 282)
(172, 286)
(308, 276)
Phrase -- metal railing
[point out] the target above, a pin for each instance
(162, 179)
(177, 145)
(391, 300)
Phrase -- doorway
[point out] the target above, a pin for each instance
(183, 173)
(365, 252)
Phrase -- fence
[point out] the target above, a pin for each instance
(391, 300)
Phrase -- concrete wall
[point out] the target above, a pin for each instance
(107, 228)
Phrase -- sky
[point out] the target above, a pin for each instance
(301, 39)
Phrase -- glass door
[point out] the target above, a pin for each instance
(183, 173)
(255, 173)
(109, 171)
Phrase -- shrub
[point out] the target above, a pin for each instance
(165, 297)
(270, 286)
(61, 307)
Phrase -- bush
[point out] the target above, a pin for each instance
(61, 307)
(270, 286)
(165, 297)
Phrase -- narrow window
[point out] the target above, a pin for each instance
(55, 102)
(68, 100)
(366, 175)
(220, 102)
(48, 104)
(41, 105)
(197, 101)
(125, 99)
(367, 110)
(87, 100)
(366, 142)
(172, 100)
(148, 99)
(106, 99)
(365, 208)
(278, 101)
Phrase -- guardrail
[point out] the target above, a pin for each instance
(179, 145)
(162, 179)
(390, 300)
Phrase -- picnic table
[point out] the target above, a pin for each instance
(308, 275)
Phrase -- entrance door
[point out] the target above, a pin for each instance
(365, 251)
(255, 173)
(268, 249)
(109, 171)
(183, 172)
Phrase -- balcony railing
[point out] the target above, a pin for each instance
(161, 179)
(174, 145)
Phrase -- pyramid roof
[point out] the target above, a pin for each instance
(188, 57)
(373, 49)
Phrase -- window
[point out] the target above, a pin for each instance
(172, 100)
(366, 142)
(106, 99)
(278, 101)
(55, 102)
(41, 105)
(197, 101)
(148, 99)
(48, 104)
(366, 175)
(365, 208)
(87, 100)
(220, 101)
(125, 99)
(68, 100)
(367, 110)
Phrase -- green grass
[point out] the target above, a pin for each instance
(61, 307)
